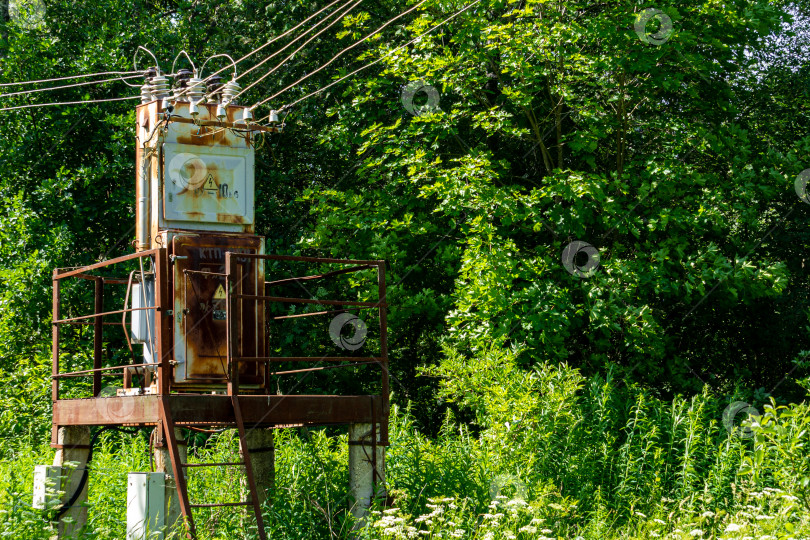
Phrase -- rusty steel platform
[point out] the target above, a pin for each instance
(217, 410)
(242, 378)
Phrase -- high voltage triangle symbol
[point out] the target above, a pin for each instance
(220, 293)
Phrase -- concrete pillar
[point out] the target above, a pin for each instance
(163, 463)
(262, 458)
(364, 484)
(78, 437)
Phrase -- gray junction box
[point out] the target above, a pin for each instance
(147, 506)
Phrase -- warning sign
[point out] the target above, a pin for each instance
(210, 186)
(220, 293)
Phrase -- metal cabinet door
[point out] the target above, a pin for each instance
(200, 318)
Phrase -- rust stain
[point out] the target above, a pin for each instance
(230, 218)
(188, 139)
(188, 133)
(205, 332)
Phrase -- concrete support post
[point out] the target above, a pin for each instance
(262, 458)
(366, 471)
(79, 438)
(164, 464)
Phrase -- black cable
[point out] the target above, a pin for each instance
(83, 481)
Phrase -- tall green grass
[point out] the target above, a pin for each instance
(548, 455)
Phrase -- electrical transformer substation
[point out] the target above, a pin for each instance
(201, 329)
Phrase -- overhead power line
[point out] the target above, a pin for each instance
(366, 66)
(260, 79)
(21, 92)
(36, 105)
(302, 35)
(254, 51)
(340, 53)
(70, 77)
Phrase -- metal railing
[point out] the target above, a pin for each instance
(95, 319)
(239, 298)
(236, 300)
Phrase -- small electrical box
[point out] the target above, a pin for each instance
(47, 481)
(143, 320)
(146, 506)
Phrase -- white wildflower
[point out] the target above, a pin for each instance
(707, 514)
(732, 527)
(763, 518)
(639, 514)
(528, 529)
(696, 532)
(659, 521)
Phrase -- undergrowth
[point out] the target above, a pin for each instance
(549, 455)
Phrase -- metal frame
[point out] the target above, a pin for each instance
(234, 296)
(168, 408)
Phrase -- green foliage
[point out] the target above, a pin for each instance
(563, 460)
(780, 449)
(553, 126)
(596, 401)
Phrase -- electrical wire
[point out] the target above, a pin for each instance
(377, 61)
(190, 61)
(316, 25)
(83, 480)
(254, 51)
(278, 66)
(70, 77)
(35, 105)
(201, 430)
(21, 92)
(339, 54)
(228, 56)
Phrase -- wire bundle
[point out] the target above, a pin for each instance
(231, 90)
